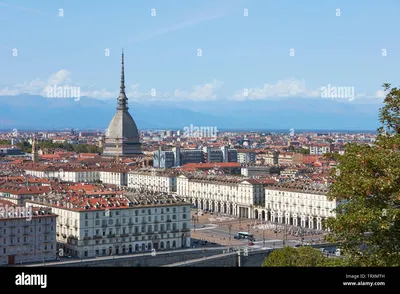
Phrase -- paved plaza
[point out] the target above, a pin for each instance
(217, 228)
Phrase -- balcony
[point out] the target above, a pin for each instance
(117, 224)
(87, 238)
(111, 236)
(97, 237)
(185, 230)
(175, 231)
(104, 225)
(168, 220)
(162, 232)
(130, 224)
(124, 235)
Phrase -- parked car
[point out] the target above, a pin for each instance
(250, 243)
(236, 237)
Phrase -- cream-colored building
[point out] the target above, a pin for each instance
(154, 181)
(88, 227)
(26, 234)
(297, 205)
(223, 194)
(107, 175)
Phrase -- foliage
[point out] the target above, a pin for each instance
(79, 148)
(281, 257)
(305, 256)
(367, 184)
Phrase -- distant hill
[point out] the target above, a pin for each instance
(37, 112)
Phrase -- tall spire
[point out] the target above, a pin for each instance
(122, 99)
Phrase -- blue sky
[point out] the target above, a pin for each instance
(161, 52)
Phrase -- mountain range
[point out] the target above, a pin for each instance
(37, 112)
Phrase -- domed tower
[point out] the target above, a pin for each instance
(122, 136)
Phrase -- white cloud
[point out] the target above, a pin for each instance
(283, 88)
(380, 94)
(60, 78)
(38, 86)
(200, 92)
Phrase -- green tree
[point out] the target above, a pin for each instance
(304, 256)
(309, 256)
(367, 188)
(281, 257)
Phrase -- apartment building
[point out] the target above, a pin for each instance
(155, 181)
(26, 234)
(80, 174)
(297, 205)
(245, 156)
(222, 194)
(99, 226)
(18, 194)
(319, 149)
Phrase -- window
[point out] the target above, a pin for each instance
(110, 221)
(117, 213)
(97, 232)
(86, 223)
(149, 211)
(86, 233)
(97, 222)
(123, 220)
(184, 226)
(97, 215)
(86, 216)
(184, 209)
(173, 216)
(136, 212)
(149, 218)
(184, 216)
